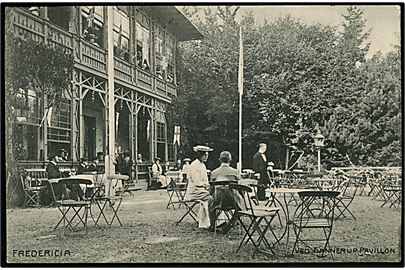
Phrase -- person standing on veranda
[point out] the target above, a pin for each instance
(198, 185)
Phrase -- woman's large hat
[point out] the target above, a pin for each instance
(202, 148)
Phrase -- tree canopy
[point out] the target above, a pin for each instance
(297, 77)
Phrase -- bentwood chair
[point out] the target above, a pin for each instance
(313, 219)
(255, 222)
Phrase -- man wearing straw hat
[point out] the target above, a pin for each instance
(198, 185)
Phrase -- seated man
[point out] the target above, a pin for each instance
(93, 167)
(72, 191)
(126, 165)
(82, 168)
(223, 196)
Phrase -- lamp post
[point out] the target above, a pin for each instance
(318, 140)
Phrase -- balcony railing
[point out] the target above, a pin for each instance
(87, 55)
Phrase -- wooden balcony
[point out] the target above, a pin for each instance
(89, 57)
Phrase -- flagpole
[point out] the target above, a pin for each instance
(240, 133)
(240, 88)
(109, 158)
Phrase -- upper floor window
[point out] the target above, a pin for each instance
(59, 16)
(92, 24)
(121, 34)
(29, 107)
(29, 113)
(170, 49)
(160, 60)
(142, 41)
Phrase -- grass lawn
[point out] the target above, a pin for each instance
(149, 234)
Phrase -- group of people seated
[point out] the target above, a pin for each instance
(212, 197)
(215, 197)
(158, 172)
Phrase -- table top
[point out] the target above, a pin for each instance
(73, 177)
(287, 190)
(173, 173)
(323, 179)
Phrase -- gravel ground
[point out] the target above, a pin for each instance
(149, 235)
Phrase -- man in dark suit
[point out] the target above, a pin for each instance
(53, 172)
(72, 191)
(260, 166)
(93, 167)
(126, 165)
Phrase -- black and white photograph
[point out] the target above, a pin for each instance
(186, 134)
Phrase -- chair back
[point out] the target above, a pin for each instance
(349, 187)
(174, 178)
(316, 205)
(252, 183)
(247, 173)
(243, 191)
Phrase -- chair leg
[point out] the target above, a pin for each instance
(63, 218)
(85, 220)
(115, 211)
(101, 213)
(262, 235)
(189, 211)
(247, 233)
(297, 238)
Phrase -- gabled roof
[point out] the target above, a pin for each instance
(174, 21)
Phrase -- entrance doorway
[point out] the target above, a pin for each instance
(89, 137)
(122, 126)
(144, 133)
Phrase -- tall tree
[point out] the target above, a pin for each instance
(207, 102)
(40, 67)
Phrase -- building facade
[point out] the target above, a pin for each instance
(145, 40)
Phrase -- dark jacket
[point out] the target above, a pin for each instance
(81, 169)
(125, 168)
(260, 166)
(53, 171)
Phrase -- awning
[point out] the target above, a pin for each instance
(174, 21)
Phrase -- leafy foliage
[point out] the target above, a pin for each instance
(297, 77)
(29, 65)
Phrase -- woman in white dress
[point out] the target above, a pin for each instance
(198, 185)
(157, 172)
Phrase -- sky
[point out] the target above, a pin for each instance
(382, 20)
